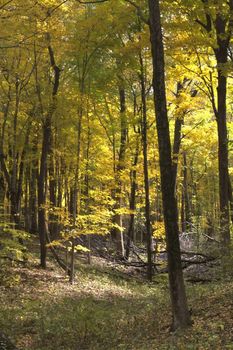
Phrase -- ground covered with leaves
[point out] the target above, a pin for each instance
(40, 310)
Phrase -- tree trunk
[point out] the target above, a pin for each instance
(146, 174)
(222, 24)
(76, 190)
(181, 316)
(182, 212)
(46, 144)
(221, 54)
(187, 209)
(42, 178)
(53, 222)
(223, 160)
(132, 204)
(87, 183)
(32, 191)
(230, 198)
(117, 231)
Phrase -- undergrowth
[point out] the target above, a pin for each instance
(39, 310)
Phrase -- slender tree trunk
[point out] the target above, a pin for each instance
(76, 190)
(221, 54)
(32, 191)
(26, 201)
(182, 214)
(177, 139)
(117, 232)
(87, 182)
(16, 186)
(42, 225)
(132, 204)
(223, 160)
(53, 222)
(2, 196)
(222, 26)
(181, 316)
(230, 198)
(15, 158)
(187, 209)
(146, 174)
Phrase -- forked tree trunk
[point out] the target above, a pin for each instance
(222, 26)
(46, 144)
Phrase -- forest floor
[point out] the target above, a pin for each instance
(107, 310)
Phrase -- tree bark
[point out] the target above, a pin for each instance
(32, 190)
(132, 204)
(117, 231)
(181, 316)
(146, 173)
(222, 25)
(221, 54)
(42, 219)
(76, 188)
(46, 144)
(187, 209)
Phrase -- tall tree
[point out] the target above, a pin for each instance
(145, 169)
(181, 316)
(46, 145)
(220, 24)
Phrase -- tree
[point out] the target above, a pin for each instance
(46, 149)
(222, 25)
(181, 316)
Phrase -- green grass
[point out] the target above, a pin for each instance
(104, 311)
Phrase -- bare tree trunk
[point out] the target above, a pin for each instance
(223, 160)
(187, 207)
(87, 181)
(182, 214)
(222, 26)
(181, 316)
(76, 190)
(146, 174)
(42, 224)
(32, 190)
(53, 223)
(132, 204)
(117, 231)
(230, 199)
(46, 144)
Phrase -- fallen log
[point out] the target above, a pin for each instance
(195, 262)
(138, 263)
(198, 280)
(198, 254)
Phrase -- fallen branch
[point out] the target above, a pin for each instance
(211, 238)
(195, 262)
(198, 280)
(60, 262)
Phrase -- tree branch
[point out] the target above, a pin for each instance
(6, 3)
(139, 11)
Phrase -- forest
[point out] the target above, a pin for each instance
(116, 169)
